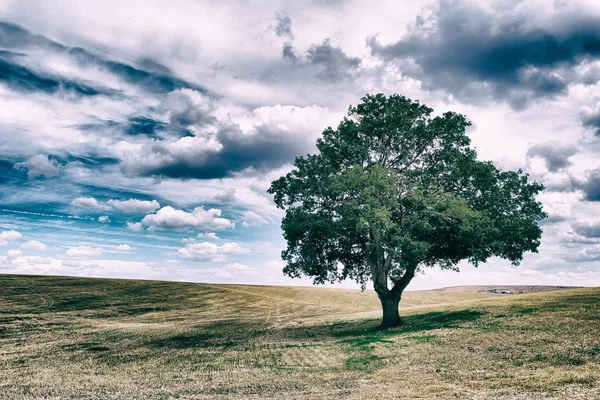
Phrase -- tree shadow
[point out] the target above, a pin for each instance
(362, 328)
(236, 334)
(229, 333)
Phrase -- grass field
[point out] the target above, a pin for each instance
(74, 338)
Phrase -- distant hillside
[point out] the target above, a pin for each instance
(512, 288)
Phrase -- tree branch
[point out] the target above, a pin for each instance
(405, 280)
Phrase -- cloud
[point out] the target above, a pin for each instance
(134, 226)
(39, 165)
(591, 185)
(331, 63)
(555, 154)
(588, 254)
(209, 251)
(13, 253)
(587, 229)
(104, 219)
(123, 247)
(334, 63)
(172, 219)
(250, 219)
(187, 107)
(570, 239)
(277, 265)
(134, 205)
(226, 197)
(71, 263)
(288, 53)
(148, 75)
(84, 251)
(232, 270)
(284, 24)
(477, 52)
(9, 236)
(23, 79)
(208, 235)
(34, 245)
(591, 120)
(86, 202)
(262, 139)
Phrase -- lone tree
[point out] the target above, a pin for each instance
(394, 190)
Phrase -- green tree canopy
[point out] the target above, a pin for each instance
(393, 190)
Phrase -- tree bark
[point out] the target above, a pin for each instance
(391, 315)
(390, 299)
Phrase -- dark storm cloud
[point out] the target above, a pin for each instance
(553, 219)
(135, 125)
(15, 37)
(288, 53)
(589, 230)
(331, 63)
(284, 25)
(265, 149)
(20, 78)
(555, 155)
(592, 121)
(10, 55)
(140, 125)
(7, 175)
(156, 79)
(591, 185)
(472, 53)
(89, 160)
(335, 64)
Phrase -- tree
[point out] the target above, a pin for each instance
(394, 190)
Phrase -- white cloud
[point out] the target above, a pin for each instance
(232, 271)
(123, 247)
(12, 253)
(71, 263)
(84, 251)
(34, 245)
(172, 219)
(134, 226)
(104, 219)
(134, 205)
(208, 235)
(32, 260)
(275, 265)
(39, 165)
(147, 156)
(87, 202)
(210, 251)
(250, 218)
(188, 107)
(8, 236)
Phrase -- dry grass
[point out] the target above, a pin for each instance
(70, 338)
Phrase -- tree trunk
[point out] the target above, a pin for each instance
(391, 316)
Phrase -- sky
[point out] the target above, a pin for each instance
(138, 138)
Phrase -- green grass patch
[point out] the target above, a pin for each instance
(365, 363)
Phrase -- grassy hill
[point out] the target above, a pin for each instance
(75, 338)
(513, 288)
